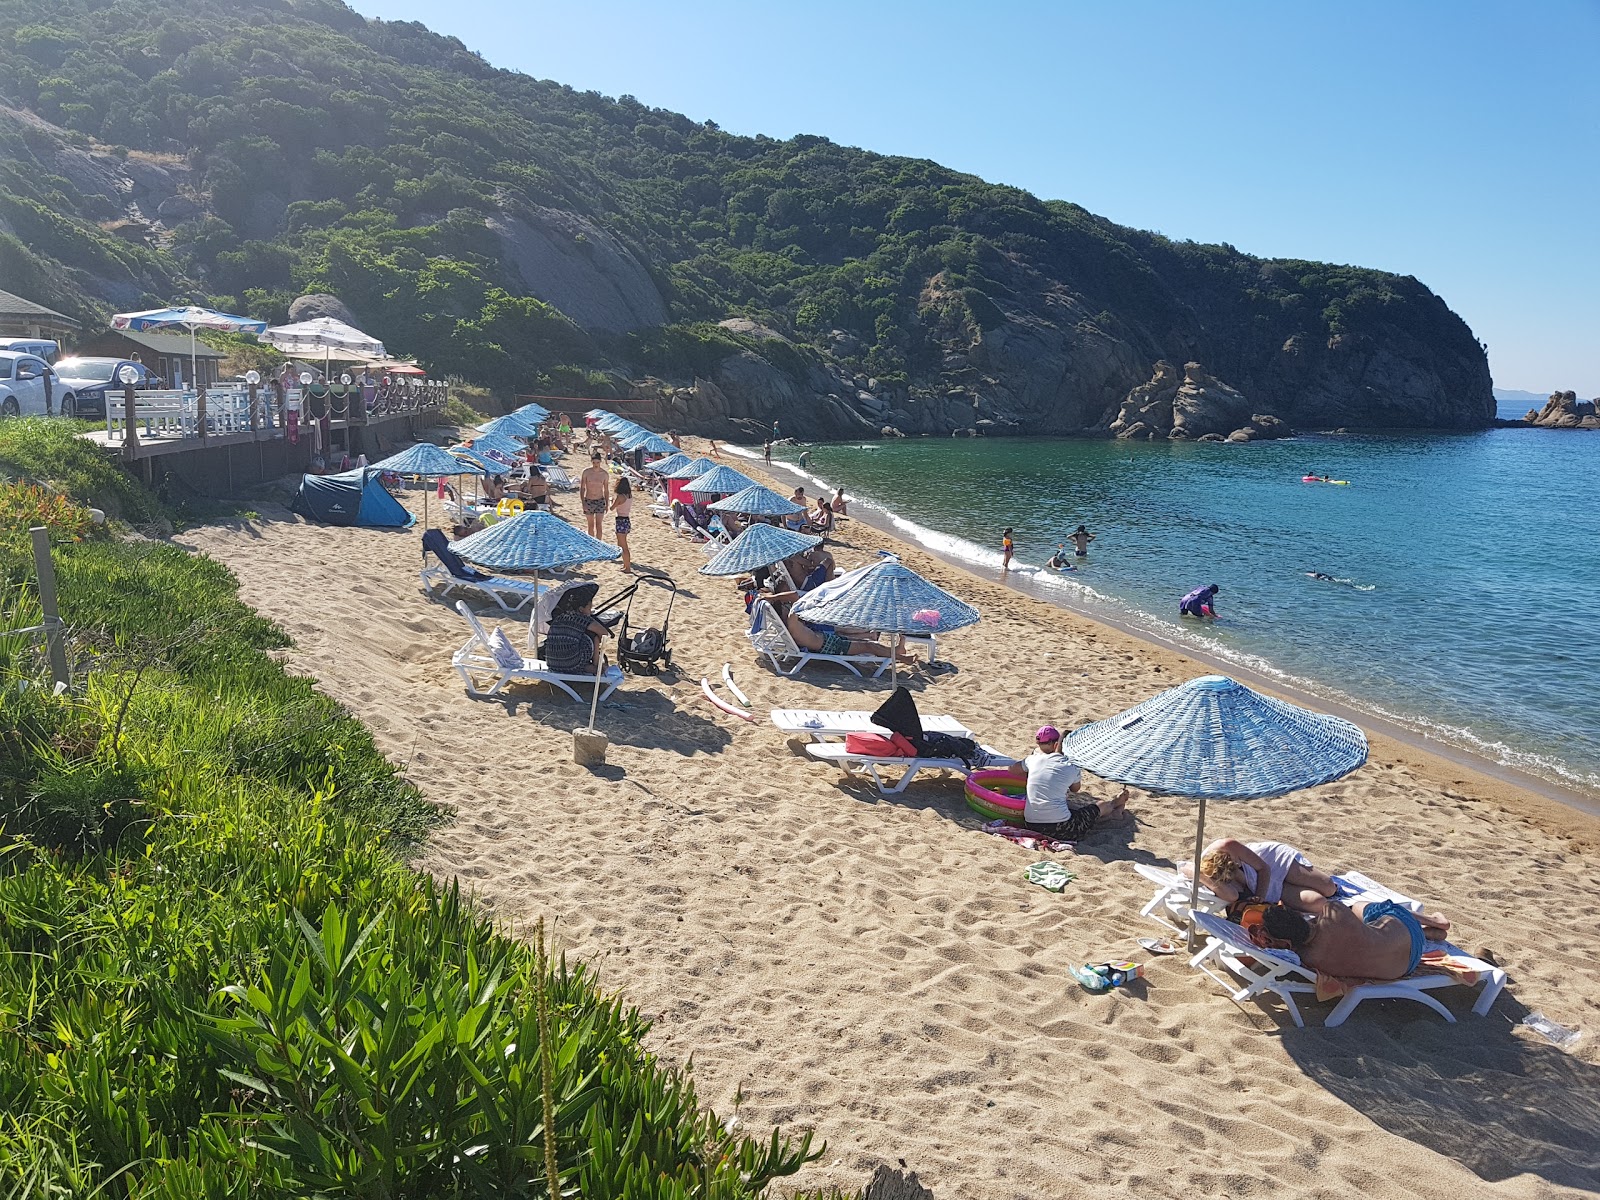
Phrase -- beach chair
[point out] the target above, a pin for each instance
(1169, 907)
(873, 765)
(452, 574)
(1281, 973)
(771, 637)
(823, 725)
(477, 659)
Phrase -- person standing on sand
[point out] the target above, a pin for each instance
(1006, 547)
(1081, 537)
(622, 509)
(593, 485)
(766, 452)
(716, 450)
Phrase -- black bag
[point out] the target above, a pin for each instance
(647, 644)
(898, 714)
(948, 745)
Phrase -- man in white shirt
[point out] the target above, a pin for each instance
(1052, 781)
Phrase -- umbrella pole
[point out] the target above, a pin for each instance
(194, 358)
(1194, 887)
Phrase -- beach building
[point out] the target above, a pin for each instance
(167, 354)
(22, 318)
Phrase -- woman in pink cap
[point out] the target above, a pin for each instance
(1052, 782)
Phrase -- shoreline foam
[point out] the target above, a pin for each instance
(1458, 746)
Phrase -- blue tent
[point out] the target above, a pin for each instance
(352, 498)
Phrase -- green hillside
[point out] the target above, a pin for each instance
(526, 235)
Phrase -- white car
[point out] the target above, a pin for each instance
(29, 387)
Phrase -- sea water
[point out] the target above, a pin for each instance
(1465, 592)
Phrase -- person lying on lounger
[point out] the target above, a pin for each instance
(827, 640)
(1377, 939)
(1266, 871)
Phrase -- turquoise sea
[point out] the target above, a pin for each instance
(1466, 601)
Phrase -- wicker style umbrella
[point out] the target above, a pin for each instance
(692, 469)
(1215, 738)
(889, 597)
(664, 465)
(724, 481)
(426, 459)
(757, 501)
(758, 546)
(511, 425)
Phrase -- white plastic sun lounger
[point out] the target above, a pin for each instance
(872, 765)
(510, 594)
(771, 637)
(821, 724)
(1281, 973)
(476, 661)
(1169, 907)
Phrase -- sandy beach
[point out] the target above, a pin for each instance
(878, 970)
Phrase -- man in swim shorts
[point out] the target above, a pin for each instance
(594, 488)
(1379, 939)
(1052, 781)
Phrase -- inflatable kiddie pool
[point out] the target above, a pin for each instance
(997, 795)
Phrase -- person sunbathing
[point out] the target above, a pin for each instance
(1377, 939)
(827, 640)
(1267, 871)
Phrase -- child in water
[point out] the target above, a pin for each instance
(1006, 547)
(1058, 560)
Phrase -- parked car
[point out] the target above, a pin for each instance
(29, 388)
(43, 347)
(89, 379)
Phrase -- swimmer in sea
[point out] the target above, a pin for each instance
(1321, 575)
(1058, 560)
(1081, 537)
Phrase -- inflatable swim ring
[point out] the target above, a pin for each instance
(997, 795)
(1320, 479)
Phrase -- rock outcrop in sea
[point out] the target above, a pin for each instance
(1565, 411)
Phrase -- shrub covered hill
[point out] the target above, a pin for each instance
(535, 238)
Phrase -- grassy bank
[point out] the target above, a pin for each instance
(221, 981)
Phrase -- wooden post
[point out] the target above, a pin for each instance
(130, 424)
(255, 411)
(200, 406)
(47, 601)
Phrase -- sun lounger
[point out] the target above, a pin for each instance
(1169, 907)
(873, 765)
(821, 725)
(451, 574)
(1281, 973)
(477, 660)
(771, 637)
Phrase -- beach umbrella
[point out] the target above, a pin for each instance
(650, 443)
(693, 469)
(533, 541)
(610, 423)
(758, 501)
(719, 481)
(889, 597)
(188, 317)
(500, 444)
(533, 412)
(511, 426)
(326, 334)
(758, 546)
(663, 465)
(426, 459)
(1213, 738)
(491, 466)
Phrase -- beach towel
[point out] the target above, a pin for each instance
(878, 746)
(1028, 839)
(1051, 876)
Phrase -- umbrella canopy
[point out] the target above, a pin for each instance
(887, 596)
(511, 426)
(532, 541)
(650, 443)
(720, 480)
(534, 412)
(500, 444)
(491, 466)
(595, 414)
(323, 335)
(692, 469)
(612, 421)
(757, 501)
(759, 546)
(664, 465)
(187, 317)
(1214, 737)
(426, 459)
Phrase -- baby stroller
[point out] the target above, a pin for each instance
(647, 651)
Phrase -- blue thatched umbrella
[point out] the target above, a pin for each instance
(426, 459)
(758, 546)
(511, 425)
(533, 541)
(889, 597)
(723, 481)
(693, 469)
(758, 501)
(663, 466)
(1215, 738)
(491, 466)
(500, 443)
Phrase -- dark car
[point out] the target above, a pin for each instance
(89, 379)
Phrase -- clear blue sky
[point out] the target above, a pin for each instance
(1458, 142)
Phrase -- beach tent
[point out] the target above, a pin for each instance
(351, 498)
(1214, 738)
